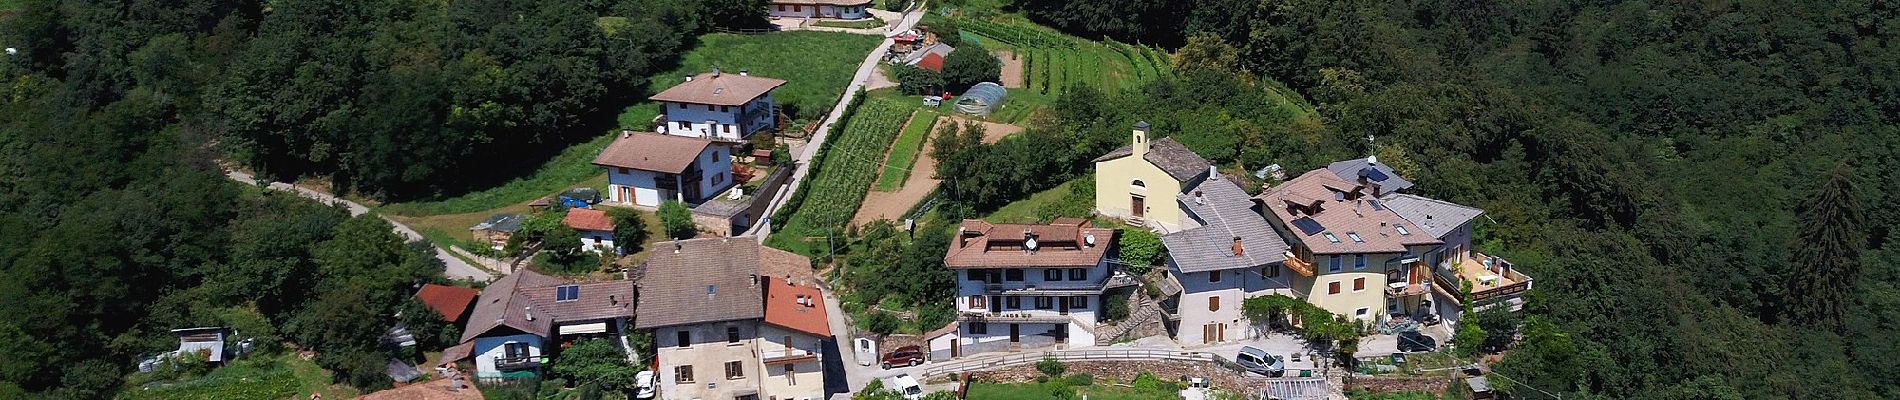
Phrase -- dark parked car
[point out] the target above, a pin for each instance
(904, 356)
(1412, 342)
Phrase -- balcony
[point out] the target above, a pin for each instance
(782, 356)
(1490, 277)
(1299, 266)
(1038, 316)
(507, 364)
(1046, 288)
(1404, 289)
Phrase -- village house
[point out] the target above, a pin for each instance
(1027, 286)
(1225, 254)
(519, 320)
(704, 300)
(1138, 182)
(646, 169)
(595, 228)
(451, 302)
(792, 340)
(716, 106)
(840, 9)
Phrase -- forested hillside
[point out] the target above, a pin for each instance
(116, 223)
(1700, 188)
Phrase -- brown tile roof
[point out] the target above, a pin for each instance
(652, 152)
(821, 2)
(796, 307)
(945, 330)
(788, 266)
(1344, 209)
(449, 301)
(700, 280)
(722, 89)
(588, 219)
(980, 244)
(1169, 155)
(527, 301)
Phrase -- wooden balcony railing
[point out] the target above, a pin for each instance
(1299, 266)
(519, 363)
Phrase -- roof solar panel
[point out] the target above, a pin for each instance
(1307, 225)
(1376, 175)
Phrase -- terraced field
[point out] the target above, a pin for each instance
(845, 171)
(1053, 62)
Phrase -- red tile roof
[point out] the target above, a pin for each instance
(588, 219)
(980, 244)
(932, 61)
(783, 307)
(449, 301)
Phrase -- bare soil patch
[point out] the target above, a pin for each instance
(892, 205)
(1012, 69)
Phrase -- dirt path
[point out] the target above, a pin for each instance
(879, 81)
(1012, 69)
(892, 205)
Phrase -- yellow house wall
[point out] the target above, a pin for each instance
(1349, 301)
(1113, 189)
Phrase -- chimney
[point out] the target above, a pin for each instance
(529, 310)
(676, 247)
(1238, 249)
(611, 300)
(755, 280)
(689, 78)
(1200, 198)
(1139, 147)
(715, 72)
(1212, 171)
(743, 72)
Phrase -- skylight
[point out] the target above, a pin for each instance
(567, 293)
(1330, 237)
(1402, 230)
(1355, 237)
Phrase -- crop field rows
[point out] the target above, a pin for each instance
(905, 150)
(1054, 62)
(849, 166)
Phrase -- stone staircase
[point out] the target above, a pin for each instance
(1143, 311)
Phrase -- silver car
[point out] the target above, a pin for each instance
(1258, 361)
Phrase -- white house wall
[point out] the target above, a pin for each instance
(637, 187)
(489, 348)
(807, 379)
(718, 122)
(598, 241)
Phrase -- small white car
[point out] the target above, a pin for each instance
(907, 386)
(643, 387)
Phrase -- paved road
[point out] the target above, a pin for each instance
(863, 76)
(456, 268)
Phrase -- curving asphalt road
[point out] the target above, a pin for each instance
(455, 267)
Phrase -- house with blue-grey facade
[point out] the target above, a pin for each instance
(645, 169)
(718, 106)
(520, 321)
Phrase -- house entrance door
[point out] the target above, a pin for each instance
(1207, 333)
(1015, 333)
(1137, 206)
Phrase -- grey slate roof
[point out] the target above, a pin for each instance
(1435, 217)
(1171, 156)
(1225, 212)
(700, 280)
(1348, 170)
(500, 223)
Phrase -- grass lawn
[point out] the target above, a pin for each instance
(816, 66)
(572, 168)
(273, 378)
(1029, 210)
(1033, 391)
(866, 23)
(904, 151)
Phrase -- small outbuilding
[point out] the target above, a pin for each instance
(982, 98)
(496, 229)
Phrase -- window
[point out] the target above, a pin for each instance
(714, 157)
(1045, 302)
(1270, 271)
(1052, 274)
(1079, 302)
(979, 328)
(1078, 274)
(1401, 229)
(683, 338)
(1332, 288)
(1013, 275)
(725, 108)
(1358, 261)
(727, 128)
(791, 375)
(1332, 263)
(977, 302)
(1361, 312)
(623, 170)
(1213, 276)
(1014, 302)
(1330, 237)
(709, 107)
(735, 370)
(565, 293)
(719, 177)
(1358, 284)
(975, 274)
(683, 374)
(732, 334)
(684, 124)
(1392, 307)
(1355, 237)
(1138, 183)
(515, 350)
(1213, 303)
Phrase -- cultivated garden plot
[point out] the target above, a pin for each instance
(848, 166)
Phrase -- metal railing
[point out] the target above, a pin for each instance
(985, 363)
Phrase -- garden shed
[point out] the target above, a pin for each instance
(982, 98)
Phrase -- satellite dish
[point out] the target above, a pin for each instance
(1089, 239)
(1374, 160)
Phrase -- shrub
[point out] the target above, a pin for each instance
(969, 65)
(882, 323)
(1051, 367)
(918, 81)
(1115, 308)
(1140, 249)
(1080, 379)
(630, 230)
(678, 220)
